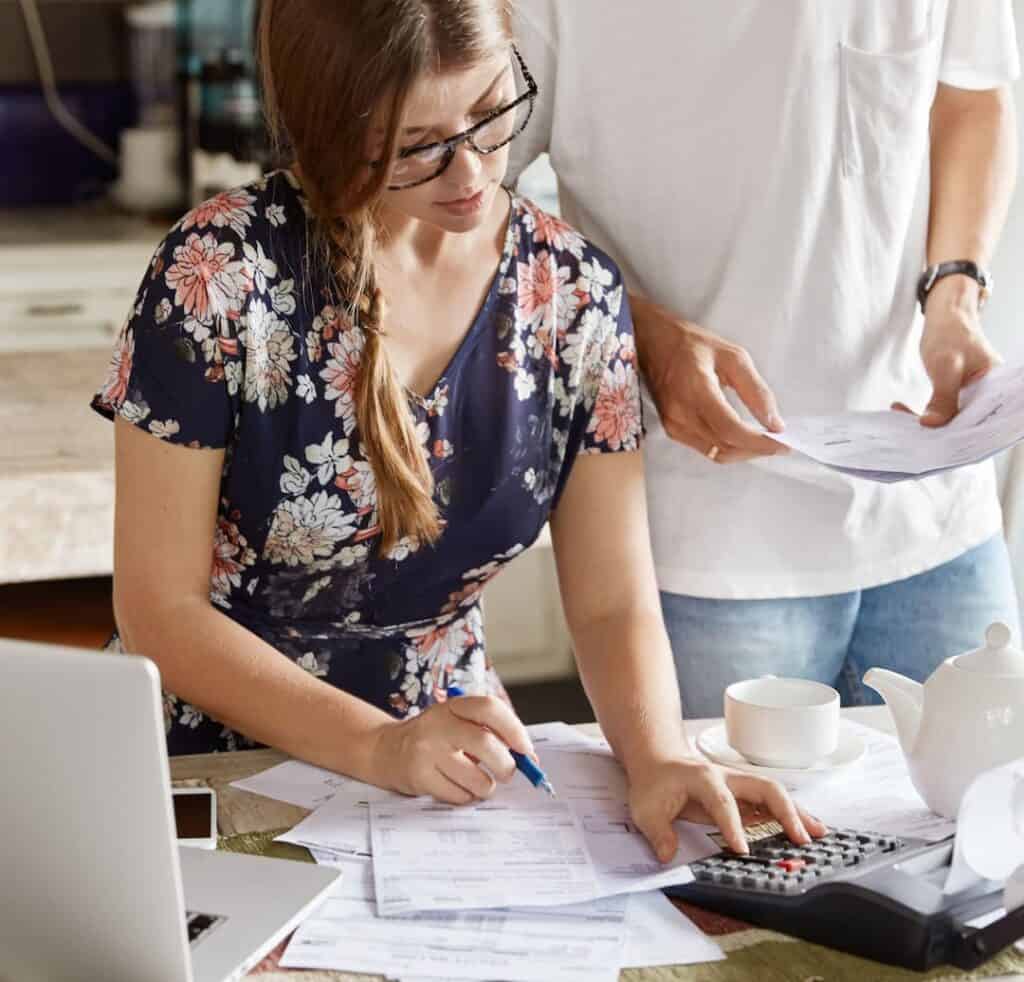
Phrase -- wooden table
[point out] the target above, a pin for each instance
(242, 812)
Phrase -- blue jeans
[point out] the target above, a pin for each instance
(909, 626)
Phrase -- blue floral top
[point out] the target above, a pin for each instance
(235, 342)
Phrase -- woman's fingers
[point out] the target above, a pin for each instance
(497, 716)
(658, 831)
(471, 779)
(720, 804)
(772, 796)
(488, 750)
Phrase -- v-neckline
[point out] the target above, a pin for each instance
(480, 320)
(472, 335)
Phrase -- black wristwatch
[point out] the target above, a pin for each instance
(965, 267)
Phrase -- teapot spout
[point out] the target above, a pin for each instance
(904, 697)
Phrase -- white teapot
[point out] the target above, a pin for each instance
(966, 718)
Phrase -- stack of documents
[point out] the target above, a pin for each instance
(894, 446)
(524, 888)
(520, 887)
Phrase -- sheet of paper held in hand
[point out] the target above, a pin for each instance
(893, 446)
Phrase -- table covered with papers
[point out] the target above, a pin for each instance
(408, 905)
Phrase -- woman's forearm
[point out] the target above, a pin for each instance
(629, 676)
(208, 660)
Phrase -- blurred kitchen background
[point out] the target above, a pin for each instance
(114, 117)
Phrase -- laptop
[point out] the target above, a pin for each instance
(93, 884)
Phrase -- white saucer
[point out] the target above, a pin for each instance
(714, 745)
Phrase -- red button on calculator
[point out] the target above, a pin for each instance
(791, 865)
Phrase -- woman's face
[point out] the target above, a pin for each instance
(439, 107)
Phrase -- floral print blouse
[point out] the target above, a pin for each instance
(235, 342)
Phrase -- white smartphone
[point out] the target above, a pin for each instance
(195, 816)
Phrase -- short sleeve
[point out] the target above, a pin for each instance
(175, 370)
(598, 372)
(979, 49)
(534, 33)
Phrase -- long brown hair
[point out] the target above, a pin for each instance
(331, 70)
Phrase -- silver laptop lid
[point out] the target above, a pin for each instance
(91, 886)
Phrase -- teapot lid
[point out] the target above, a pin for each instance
(997, 657)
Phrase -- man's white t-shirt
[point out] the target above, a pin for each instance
(761, 167)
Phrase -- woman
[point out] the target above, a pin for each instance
(375, 377)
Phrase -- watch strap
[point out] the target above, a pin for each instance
(964, 267)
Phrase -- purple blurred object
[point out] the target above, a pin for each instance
(41, 163)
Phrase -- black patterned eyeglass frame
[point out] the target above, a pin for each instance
(466, 136)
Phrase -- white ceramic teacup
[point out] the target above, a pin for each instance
(777, 722)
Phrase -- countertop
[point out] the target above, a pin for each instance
(56, 467)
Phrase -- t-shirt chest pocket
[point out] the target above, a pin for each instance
(885, 100)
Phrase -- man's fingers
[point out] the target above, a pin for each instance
(947, 374)
(684, 427)
(728, 429)
(739, 372)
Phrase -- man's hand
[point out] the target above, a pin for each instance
(954, 349)
(687, 370)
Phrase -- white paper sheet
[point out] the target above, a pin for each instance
(340, 825)
(876, 796)
(582, 942)
(890, 446)
(590, 780)
(429, 856)
(300, 784)
(624, 862)
(659, 934)
(990, 828)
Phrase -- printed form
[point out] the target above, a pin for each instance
(893, 446)
(583, 942)
(430, 856)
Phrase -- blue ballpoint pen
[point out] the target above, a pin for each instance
(524, 765)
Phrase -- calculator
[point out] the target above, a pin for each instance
(873, 895)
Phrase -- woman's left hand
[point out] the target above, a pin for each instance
(690, 788)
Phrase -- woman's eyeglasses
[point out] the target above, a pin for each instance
(417, 165)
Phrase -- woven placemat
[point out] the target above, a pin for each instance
(755, 955)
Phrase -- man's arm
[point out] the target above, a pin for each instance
(973, 171)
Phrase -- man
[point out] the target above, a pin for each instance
(773, 177)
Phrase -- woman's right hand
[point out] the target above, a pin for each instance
(443, 751)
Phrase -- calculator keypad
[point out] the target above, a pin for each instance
(776, 865)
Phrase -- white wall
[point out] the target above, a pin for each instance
(1003, 324)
